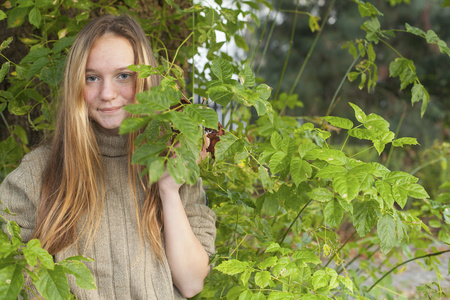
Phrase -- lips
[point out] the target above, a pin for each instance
(110, 110)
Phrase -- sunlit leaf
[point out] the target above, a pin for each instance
(386, 230)
(333, 213)
(365, 216)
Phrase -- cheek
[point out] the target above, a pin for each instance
(89, 96)
(128, 93)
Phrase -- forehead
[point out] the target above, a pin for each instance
(110, 52)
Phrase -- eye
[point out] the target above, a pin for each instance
(124, 76)
(91, 78)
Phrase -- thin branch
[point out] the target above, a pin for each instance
(345, 243)
(293, 222)
(405, 262)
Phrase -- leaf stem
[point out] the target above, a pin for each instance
(268, 41)
(405, 262)
(426, 164)
(400, 122)
(344, 78)
(362, 152)
(291, 43)
(293, 222)
(340, 248)
(6, 123)
(308, 56)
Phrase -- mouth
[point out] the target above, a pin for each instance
(110, 110)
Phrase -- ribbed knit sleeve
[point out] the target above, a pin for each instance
(21, 189)
(201, 218)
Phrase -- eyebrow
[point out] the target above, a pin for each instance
(116, 70)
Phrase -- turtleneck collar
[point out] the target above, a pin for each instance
(110, 145)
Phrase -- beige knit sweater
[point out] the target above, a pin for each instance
(121, 269)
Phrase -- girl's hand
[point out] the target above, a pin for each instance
(167, 185)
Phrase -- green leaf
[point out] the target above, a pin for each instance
(228, 146)
(400, 195)
(339, 122)
(43, 3)
(11, 280)
(264, 91)
(144, 154)
(385, 191)
(300, 170)
(359, 114)
(386, 230)
(273, 247)
(304, 148)
(246, 295)
(132, 124)
(159, 98)
(262, 279)
(35, 17)
(347, 282)
(220, 94)
(4, 70)
(419, 93)
(320, 279)
(52, 284)
(333, 213)
(347, 186)
(321, 194)
(240, 42)
(5, 43)
(33, 251)
(363, 134)
(276, 163)
(277, 295)
(246, 77)
(331, 156)
(35, 54)
(232, 267)
(331, 171)
(313, 23)
(414, 30)
(62, 44)
(83, 276)
(276, 141)
(2, 15)
(416, 191)
(404, 69)
(222, 69)
(184, 124)
(203, 115)
(400, 142)
(17, 16)
(365, 216)
(53, 73)
(306, 256)
(268, 262)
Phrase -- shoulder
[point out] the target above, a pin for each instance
(27, 177)
(34, 162)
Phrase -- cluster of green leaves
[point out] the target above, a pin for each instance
(401, 67)
(303, 176)
(49, 278)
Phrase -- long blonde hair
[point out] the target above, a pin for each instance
(71, 187)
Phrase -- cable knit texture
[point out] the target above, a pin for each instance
(122, 268)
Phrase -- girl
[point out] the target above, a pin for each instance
(81, 195)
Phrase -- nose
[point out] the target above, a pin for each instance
(108, 91)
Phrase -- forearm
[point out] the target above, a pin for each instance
(188, 260)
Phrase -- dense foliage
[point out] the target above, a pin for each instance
(298, 199)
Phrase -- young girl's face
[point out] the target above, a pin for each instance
(109, 84)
